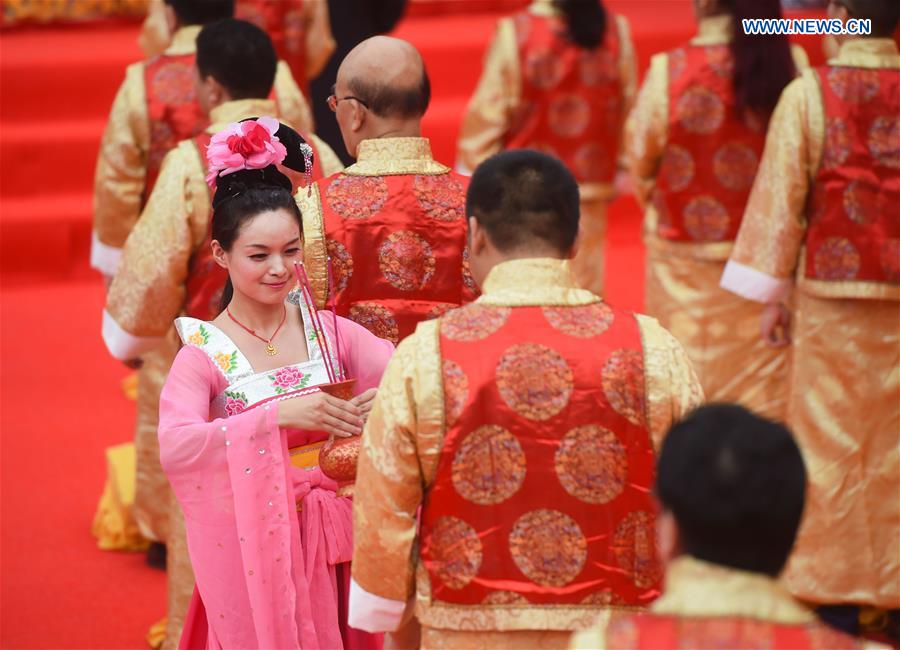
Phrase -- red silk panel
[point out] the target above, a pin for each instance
(571, 98)
(171, 108)
(542, 493)
(398, 248)
(712, 152)
(854, 210)
(283, 21)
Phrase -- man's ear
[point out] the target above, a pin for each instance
(219, 254)
(358, 117)
(477, 236)
(573, 251)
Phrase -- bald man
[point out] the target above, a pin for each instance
(391, 226)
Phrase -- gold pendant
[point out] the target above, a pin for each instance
(270, 350)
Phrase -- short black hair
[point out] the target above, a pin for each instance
(239, 55)
(391, 101)
(884, 14)
(201, 12)
(522, 197)
(736, 484)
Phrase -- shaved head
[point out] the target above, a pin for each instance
(388, 75)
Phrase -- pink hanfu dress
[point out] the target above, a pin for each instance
(270, 542)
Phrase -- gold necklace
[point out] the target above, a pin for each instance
(271, 350)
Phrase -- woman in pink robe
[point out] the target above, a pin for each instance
(241, 421)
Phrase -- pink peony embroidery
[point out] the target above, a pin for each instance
(235, 403)
(244, 145)
(287, 378)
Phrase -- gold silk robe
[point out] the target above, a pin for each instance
(155, 36)
(146, 296)
(493, 110)
(122, 161)
(719, 331)
(402, 444)
(844, 403)
(698, 589)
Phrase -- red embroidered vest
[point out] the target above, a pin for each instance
(172, 109)
(206, 278)
(712, 152)
(398, 248)
(660, 632)
(283, 21)
(542, 491)
(571, 98)
(854, 208)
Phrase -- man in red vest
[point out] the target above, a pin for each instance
(155, 109)
(167, 268)
(525, 426)
(731, 486)
(822, 224)
(392, 224)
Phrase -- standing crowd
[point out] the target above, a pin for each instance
(386, 405)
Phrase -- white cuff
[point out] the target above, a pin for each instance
(123, 345)
(462, 169)
(104, 258)
(372, 613)
(751, 284)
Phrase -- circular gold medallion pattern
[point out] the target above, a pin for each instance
(592, 464)
(884, 140)
(861, 201)
(837, 143)
(583, 321)
(548, 547)
(623, 384)
(376, 318)
(699, 110)
(706, 219)
(734, 165)
(534, 381)
(569, 115)
(456, 390)
(677, 168)
(856, 85)
(356, 197)
(442, 197)
(473, 322)
(455, 552)
(836, 259)
(634, 548)
(341, 264)
(489, 466)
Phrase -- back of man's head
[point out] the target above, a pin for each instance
(884, 15)
(735, 483)
(201, 12)
(525, 201)
(239, 55)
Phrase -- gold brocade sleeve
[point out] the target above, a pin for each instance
(801, 60)
(319, 40)
(646, 129)
(148, 291)
(627, 74)
(315, 252)
(155, 36)
(121, 164)
(774, 223)
(672, 388)
(329, 161)
(292, 105)
(400, 450)
(495, 102)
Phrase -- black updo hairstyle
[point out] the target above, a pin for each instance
(244, 194)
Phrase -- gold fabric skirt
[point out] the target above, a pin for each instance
(719, 331)
(845, 412)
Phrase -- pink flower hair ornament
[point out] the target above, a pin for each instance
(251, 144)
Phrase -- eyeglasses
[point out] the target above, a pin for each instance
(333, 100)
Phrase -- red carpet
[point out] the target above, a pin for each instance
(60, 401)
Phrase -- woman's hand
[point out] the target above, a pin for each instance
(365, 401)
(321, 412)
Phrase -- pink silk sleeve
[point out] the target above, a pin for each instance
(233, 481)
